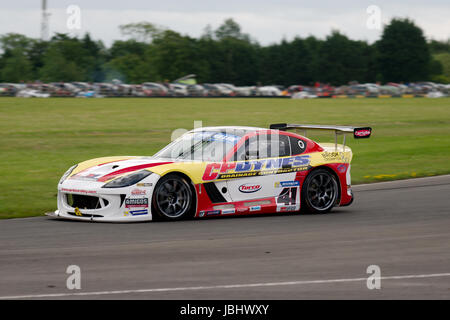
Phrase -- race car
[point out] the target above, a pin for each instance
(215, 171)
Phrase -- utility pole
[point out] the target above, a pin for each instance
(45, 21)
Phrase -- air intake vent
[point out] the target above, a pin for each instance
(213, 193)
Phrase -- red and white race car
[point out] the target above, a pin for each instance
(215, 171)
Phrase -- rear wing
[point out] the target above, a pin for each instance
(358, 132)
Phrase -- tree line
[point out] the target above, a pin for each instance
(225, 55)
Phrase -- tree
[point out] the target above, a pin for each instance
(131, 61)
(342, 60)
(16, 67)
(13, 41)
(239, 62)
(15, 63)
(141, 31)
(226, 54)
(175, 56)
(230, 29)
(403, 53)
(95, 50)
(231, 56)
(131, 68)
(437, 46)
(66, 59)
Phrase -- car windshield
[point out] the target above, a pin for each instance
(200, 146)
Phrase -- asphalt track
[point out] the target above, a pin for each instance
(403, 227)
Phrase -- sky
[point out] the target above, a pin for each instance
(267, 21)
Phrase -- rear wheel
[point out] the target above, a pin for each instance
(172, 198)
(320, 191)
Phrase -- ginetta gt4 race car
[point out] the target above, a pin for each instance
(214, 171)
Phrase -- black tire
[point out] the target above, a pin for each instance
(320, 191)
(172, 198)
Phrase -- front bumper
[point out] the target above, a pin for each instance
(88, 201)
(351, 200)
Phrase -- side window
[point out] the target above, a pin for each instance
(248, 151)
(283, 144)
(298, 145)
(264, 146)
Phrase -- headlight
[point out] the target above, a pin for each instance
(128, 180)
(68, 172)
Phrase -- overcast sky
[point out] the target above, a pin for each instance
(267, 21)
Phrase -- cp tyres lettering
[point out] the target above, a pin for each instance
(231, 170)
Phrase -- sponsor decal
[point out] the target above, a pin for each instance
(362, 132)
(330, 156)
(144, 185)
(287, 184)
(249, 188)
(213, 212)
(139, 212)
(138, 192)
(241, 169)
(287, 209)
(136, 202)
(78, 212)
(255, 208)
(228, 211)
(341, 168)
(78, 191)
(243, 209)
(201, 214)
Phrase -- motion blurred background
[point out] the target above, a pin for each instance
(233, 48)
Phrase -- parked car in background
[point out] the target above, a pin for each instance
(212, 90)
(269, 91)
(225, 90)
(188, 87)
(307, 93)
(178, 89)
(155, 89)
(32, 93)
(196, 90)
(10, 89)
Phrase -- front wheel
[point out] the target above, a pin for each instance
(320, 191)
(172, 198)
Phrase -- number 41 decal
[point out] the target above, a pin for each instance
(288, 196)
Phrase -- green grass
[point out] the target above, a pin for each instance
(40, 139)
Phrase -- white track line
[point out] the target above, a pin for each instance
(231, 286)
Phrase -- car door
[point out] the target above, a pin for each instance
(266, 151)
